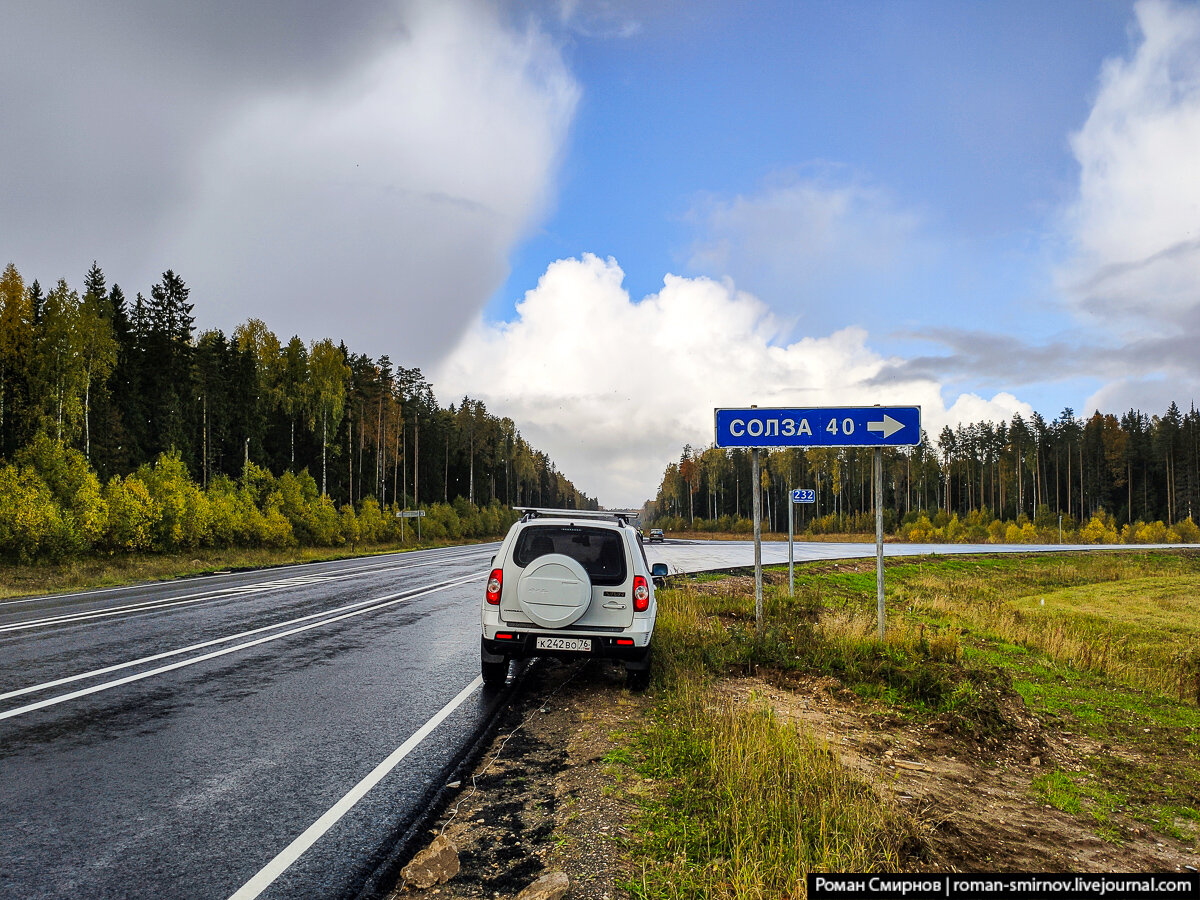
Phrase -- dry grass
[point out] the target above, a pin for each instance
(1115, 616)
(750, 804)
(746, 804)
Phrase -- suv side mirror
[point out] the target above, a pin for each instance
(659, 570)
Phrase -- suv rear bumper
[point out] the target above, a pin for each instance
(523, 645)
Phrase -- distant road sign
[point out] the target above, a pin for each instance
(804, 495)
(411, 514)
(821, 426)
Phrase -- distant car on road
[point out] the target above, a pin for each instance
(571, 583)
(656, 534)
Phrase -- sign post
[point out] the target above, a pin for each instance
(879, 537)
(822, 426)
(799, 495)
(417, 514)
(756, 506)
(791, 555)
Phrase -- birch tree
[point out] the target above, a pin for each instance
(327, 376)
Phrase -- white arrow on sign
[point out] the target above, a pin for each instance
(888, 426)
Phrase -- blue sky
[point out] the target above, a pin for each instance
(960, 110)
(958, 113)
(606, 218)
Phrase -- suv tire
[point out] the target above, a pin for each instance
(637, 674)
(493, 667)
(494, 673)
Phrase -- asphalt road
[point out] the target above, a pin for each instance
(172, 740)
(268, 733)
(703, 556)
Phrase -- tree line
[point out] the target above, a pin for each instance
(1126, 472)
(131, 387)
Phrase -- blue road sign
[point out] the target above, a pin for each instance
(804, 495)
(822, 426)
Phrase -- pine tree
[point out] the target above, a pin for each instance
(166, 373)
(37, 302)
(94, 283)
(16, 344)
(111, 449)
(97, 346)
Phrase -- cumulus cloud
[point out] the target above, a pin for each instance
(612, 388)
(1135, 226)
(360, 171)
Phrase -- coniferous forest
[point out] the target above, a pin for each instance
(1103, 479)
(122, 428)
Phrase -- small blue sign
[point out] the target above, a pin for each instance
(804, 495)
(821, 426)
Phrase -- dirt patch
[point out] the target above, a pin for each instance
(973, 800)
(546, 795)
(542, 797)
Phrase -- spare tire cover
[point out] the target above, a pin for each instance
(554, 591)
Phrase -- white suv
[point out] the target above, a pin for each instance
(573, 583)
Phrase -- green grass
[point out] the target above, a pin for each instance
(1133, 617)
(916, 665)
(1146, 766)
(1109, 661)
(740, 803)
(1058, 790)
(1143, 631)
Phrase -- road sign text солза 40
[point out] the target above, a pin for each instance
(853, 426)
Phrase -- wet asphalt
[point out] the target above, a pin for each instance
(189, 781)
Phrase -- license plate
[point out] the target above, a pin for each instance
(583, 645)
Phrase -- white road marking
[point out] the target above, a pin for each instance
(107, 670)
(220, 593)
(460, 551)
(380, 603)
(293, 851)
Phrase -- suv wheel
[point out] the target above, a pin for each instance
(637, 675)
(637, 680)
(493, 666)
(494, 673)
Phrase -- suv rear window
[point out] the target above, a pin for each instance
(599, 550)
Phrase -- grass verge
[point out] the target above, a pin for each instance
(736, 803)
(748, 804)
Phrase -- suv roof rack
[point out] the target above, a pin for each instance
(621, 515)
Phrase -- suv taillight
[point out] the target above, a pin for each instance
(641, 594)
(495, 583)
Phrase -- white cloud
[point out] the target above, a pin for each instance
(1151, 395)
(1135, 227)
(612, 388)
(605, 19)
